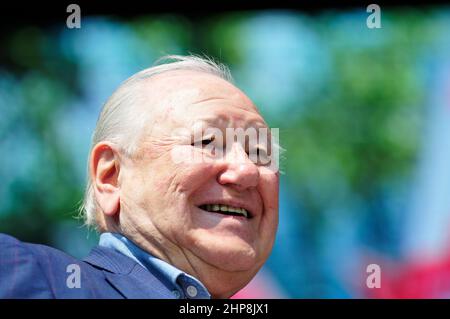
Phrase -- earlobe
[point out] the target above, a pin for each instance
(105, 169)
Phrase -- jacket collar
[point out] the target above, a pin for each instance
(127, 276)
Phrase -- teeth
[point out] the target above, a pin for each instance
(225, 208)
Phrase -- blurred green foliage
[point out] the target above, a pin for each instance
(350, 103)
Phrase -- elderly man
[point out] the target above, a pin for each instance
(184, 208)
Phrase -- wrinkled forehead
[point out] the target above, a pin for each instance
(181, 98)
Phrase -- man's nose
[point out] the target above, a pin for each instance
(240, 171)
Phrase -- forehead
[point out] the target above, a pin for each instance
(184, 97)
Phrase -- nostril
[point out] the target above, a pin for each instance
(242, 175)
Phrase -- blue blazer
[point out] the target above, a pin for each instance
(38, 271)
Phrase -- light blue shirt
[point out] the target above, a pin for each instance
(183, 285)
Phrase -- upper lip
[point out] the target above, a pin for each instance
(252, 211)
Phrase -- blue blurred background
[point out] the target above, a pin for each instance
(364, 116)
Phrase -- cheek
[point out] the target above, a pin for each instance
(269, 190)
(193, 177)
(173, 190)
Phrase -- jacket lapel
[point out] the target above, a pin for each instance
(127, 276)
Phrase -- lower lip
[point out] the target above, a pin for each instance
(240, 218)
(238, 226)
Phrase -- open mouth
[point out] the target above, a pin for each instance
(226, 210)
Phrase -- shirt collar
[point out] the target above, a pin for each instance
(182, 284)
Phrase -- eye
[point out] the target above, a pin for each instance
(204, 141)
(207, 141)
(262, 156)
(262, 153)
(258, 151)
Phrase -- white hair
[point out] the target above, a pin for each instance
(119, 122)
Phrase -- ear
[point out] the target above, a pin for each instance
(105, 169)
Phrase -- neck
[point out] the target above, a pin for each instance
(219, 282)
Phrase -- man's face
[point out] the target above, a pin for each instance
(170, 203)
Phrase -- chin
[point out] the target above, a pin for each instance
(231, 254)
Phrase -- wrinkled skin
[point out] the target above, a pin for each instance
(154, 200)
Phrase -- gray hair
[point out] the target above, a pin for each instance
(117, 123)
